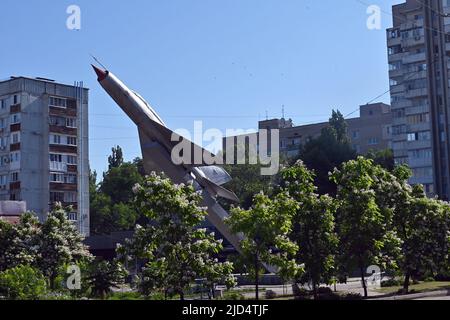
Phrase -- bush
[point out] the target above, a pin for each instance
(22, 283)
(391, 283)
(233, 296)
(324, 290)
(270, 294)
(299, 292)
(352, 296)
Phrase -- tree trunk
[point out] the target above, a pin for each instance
(52, 281)
(314, 285)
(181, 296)
(256, 277)
(363, 279)
(406, 283)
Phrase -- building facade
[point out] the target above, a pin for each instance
(44, 146)
(418, 54)
(370, 131)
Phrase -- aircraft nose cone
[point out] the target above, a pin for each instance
(101, 74)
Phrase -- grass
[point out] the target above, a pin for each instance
(417, 288)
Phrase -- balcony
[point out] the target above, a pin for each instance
(58, 166)
(411, 42)
(412, 58)
(416, 93)
(15, 108)
(397, 88)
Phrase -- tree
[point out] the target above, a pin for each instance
(328, 151)
(176, 251)
(248, 181)
(363, 226)
(18, 242)
(116, 159)
(383, 158)
(22, 283)
(104, 275)
(59, 244)
(266, 226)
(111, 200)
(339, 125)
(422, 224)
(118, 183)
(314, 227)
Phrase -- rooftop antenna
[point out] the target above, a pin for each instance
(98, 61)
(267, 115)
(282, 111)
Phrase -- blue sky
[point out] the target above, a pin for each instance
(223, 62)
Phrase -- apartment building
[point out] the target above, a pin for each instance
(419, 53)
(44, 146)
(370, 131)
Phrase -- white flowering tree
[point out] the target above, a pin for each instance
(364, 220)
(59, 243)
(176, 251)
(314, 227)
(18, 243)
(266, 226)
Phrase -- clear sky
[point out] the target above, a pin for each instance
(223, 62)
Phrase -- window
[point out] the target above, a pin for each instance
(15, 118)
(71, 159)
(373, 141)
(58, 102)
(2, 104)
(72, 216)
(423, 172)
(398, 113)
(355, 134)
(55, 139)
(72, 141)
(413, 136)
(15, 99)
(70, 197)
(57, 121)
(418, 118)
(70, 178)
(3, 180)
(398, 130)
(71, 122)
(14, 157)
(420, 154)
(14, 177)
(15, 138)
(56, 177)
(55, 157)
(429, 188)
(56, 196)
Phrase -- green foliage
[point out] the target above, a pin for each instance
(364, 218)
(118, 182)
(248, 181)
(22, 283)
(104, 275)
(383, 158)
(115, 160)
(111, 207)
(176, 251)
(314, 226)
(327, 152)
(266, 226)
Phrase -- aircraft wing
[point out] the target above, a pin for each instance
(167, 136)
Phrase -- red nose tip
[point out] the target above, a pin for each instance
(101, 74)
